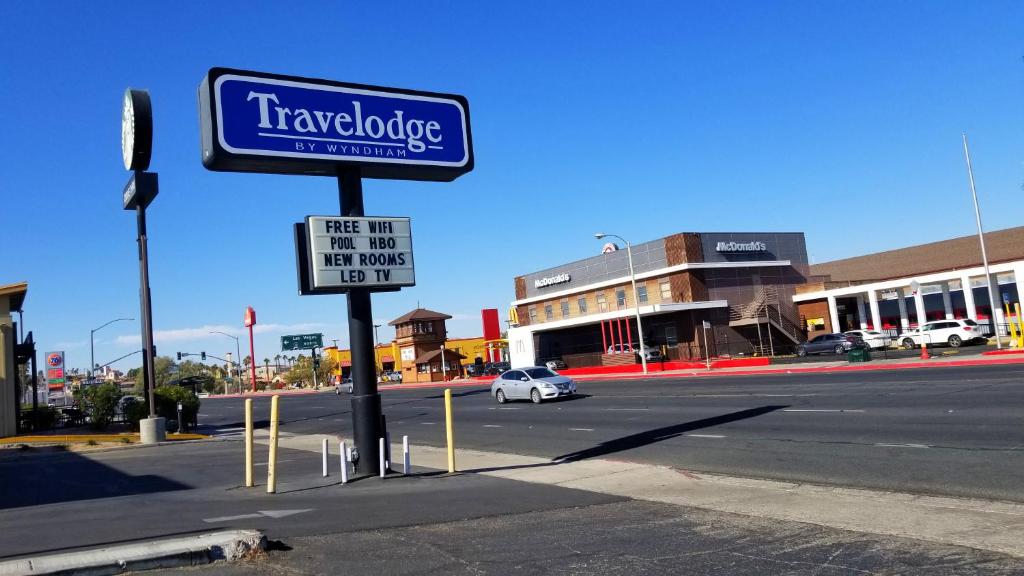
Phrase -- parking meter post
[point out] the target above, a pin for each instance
(449, 432)
(272, 460)
(248, 443)
(383, 466)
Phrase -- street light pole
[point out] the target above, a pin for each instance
(376, 343)
(92, 353)
(636, 297)
(984, 257)
(238, 359)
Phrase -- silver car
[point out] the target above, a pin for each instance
(535, 383)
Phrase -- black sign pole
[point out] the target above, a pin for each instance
(146, 308)
(366, 410)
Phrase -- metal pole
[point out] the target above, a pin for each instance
(444, 375)
(768, 326)
(92, 355)
(981, 239)
(636, 302)
(366, 409)
(146, 305)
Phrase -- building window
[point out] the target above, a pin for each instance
(641, 294)
(666, 291)
(620, 298)
(582, 303)
(565, 308)
(533, 314)
(423, 368)
(548, 313)
(602, 304)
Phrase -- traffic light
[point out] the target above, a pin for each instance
(203, 356)
(179, 356)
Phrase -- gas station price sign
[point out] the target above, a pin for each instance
(359, 252)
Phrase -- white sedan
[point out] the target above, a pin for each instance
(873, 338)
(534, 383)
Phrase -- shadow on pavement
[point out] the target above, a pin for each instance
(66, 477)
(663, 433)
(640, 439)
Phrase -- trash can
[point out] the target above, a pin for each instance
(859, 355)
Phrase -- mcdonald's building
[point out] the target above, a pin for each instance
(734, 288)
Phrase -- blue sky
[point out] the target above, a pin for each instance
(841, 120)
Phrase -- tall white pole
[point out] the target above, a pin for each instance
(444, 375)
(636, 302)
(981, 238)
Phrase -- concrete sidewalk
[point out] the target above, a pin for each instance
(987, 525)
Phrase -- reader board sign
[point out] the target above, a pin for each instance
(359, 252)
(258, 122)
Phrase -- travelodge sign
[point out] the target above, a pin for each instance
(258, 122)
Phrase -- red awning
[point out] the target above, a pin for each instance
(386, 358)
(346, 362)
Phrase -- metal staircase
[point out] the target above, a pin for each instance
(764, 309)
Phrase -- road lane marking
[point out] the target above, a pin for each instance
(816, 410)
(428, 423)
(492, 426)
(265, 463)
(231, 518)
(582, 429)
(627, 409)
(704, 435)
(260, 514)
(903, 445)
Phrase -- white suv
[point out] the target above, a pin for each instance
(951, 332)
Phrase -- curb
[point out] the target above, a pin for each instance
(813, 370)
(79, 438)
(170, 553)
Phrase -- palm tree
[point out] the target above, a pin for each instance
(266, 368)
(277, 363)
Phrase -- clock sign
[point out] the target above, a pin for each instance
(136, 129)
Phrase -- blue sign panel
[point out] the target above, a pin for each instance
(254, 122)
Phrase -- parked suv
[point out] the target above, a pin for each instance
(830, 344)
(952, 333)
(652, 354)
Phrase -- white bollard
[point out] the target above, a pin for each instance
(383, 468)
(343, 455)
(387, 451)
(325, 457)
(405, 455)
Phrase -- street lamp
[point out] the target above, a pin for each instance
(92, 359)
(376, 364)
(636, 297)
(238, 358)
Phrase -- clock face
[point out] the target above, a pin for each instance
(127, 131)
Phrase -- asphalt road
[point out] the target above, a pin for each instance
(950, 431)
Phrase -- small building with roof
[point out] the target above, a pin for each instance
(420, 337)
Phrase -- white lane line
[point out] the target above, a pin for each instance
(238, 429)
(704, 435)
(265, 463)
(627, 409)
(428, 423)
(492, 426)
(816, 410)
(903, 445)
(582, 429)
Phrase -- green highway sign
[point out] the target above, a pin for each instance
(302, 341)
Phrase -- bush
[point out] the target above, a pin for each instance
(167, 398)
(100, 403)
(135, 411)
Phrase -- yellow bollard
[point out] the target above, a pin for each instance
(449, 430)
(1020, 326)
(272, 460)
(1013, 326)
(248, 443)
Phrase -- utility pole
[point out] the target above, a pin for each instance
(984, 257)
